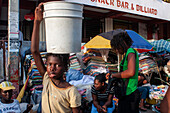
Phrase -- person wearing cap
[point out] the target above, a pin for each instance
(7, 104)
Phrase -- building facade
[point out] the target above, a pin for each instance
(149, 18)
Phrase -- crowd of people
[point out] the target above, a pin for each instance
(59, 96)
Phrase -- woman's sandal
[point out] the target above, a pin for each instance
(142, 109)
(147, 106)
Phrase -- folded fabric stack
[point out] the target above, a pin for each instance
(112, 67)
(87, 56)
(94, 63)
(35, 79)
(74, 64)
(147, 65)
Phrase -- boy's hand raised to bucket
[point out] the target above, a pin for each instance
(39, 13)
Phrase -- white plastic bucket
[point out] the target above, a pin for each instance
(63, 26)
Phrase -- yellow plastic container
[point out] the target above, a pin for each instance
(151, 101)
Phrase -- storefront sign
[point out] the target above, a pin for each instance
(150, 8)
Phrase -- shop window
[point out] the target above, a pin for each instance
(91, 28)
(165, 31)
(3, 34)
(27, 28)
(3, 30)
(121, 24)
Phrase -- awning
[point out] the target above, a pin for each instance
(148, 8)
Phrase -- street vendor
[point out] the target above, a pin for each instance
(102, 96)
(143, 87)
(58, 96)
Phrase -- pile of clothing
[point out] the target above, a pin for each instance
(112, 67)
(94, 63)
(81, 81)
(147, 65)
(74, 63)
(35, 79)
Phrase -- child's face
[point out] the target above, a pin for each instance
(55, 67)
(6, 94)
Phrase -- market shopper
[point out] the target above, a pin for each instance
(143, 87)
(102, 97)
(7, 104)
(58, 96)
(128, 70)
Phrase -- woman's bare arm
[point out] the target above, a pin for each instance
(130, 72)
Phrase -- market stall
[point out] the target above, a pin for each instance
(148, 66)
(157, 93)
(95, 63)
(95, 60)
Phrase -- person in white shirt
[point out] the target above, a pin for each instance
(7, 104)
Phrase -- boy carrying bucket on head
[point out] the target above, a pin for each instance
(58, 96)
(7, 104)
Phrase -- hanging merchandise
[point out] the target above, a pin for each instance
(149, 67)
(35, 79)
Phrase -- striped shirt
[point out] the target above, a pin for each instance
(102, 96)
